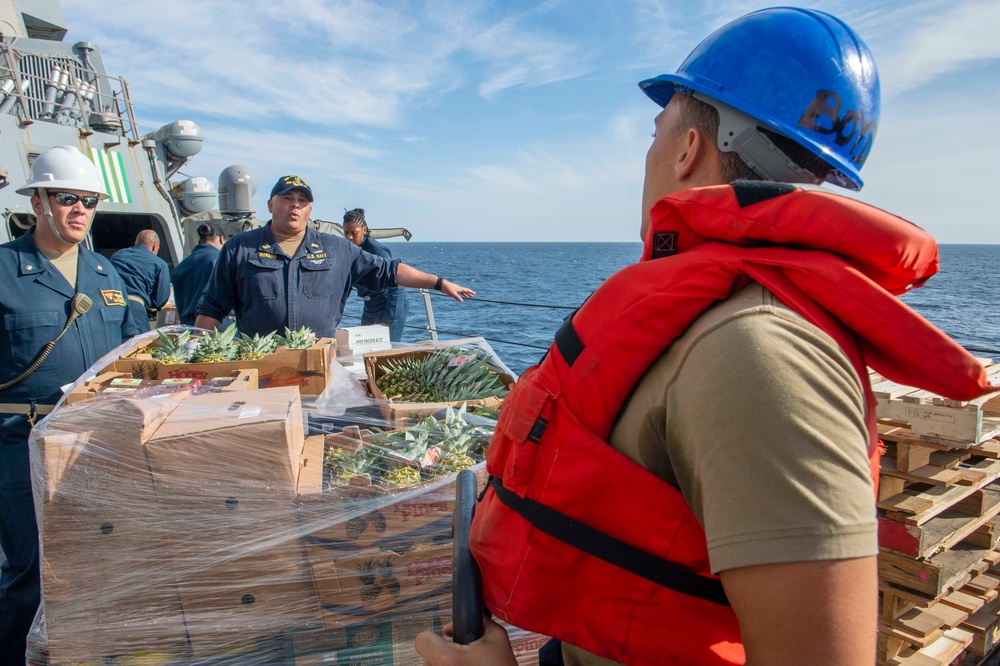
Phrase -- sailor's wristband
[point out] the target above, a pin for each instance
(439, 284)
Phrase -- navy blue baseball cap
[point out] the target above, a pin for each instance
(286, 184)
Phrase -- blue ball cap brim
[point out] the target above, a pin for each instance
(286, 184)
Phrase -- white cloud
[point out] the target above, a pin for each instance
(518, 56)
(359, 98)
(940, 43)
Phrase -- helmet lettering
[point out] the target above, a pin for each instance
(823, 116)
(826, 104)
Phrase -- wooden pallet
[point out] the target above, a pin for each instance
(913, 630)
(939, 526)
(938, 419)
(942, 652)
(944, 530)
(930, 579)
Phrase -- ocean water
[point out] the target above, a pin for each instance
(524, 290)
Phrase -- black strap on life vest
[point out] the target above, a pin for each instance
(610, 549)
(568, 342)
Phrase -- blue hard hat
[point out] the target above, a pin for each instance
(801, 73)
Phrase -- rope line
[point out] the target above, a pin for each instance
(506, 342)
(461, 335)
(977, 350)
(477, 299)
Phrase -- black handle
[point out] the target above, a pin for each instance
(466, 579)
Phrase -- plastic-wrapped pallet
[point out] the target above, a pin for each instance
(193, 525)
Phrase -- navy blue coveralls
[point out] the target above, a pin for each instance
(35, 305)
(270, 290)
(147, 279)
(190, 277)
(387, 307)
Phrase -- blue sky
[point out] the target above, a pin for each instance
(515, 121)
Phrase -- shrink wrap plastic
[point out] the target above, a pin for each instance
(211, 524)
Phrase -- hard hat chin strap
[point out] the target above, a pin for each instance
(43, 194)
(739, 133)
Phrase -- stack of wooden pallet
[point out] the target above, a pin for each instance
(939, 526)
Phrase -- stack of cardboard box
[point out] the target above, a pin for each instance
(170, 522)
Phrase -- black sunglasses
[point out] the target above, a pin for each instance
(70, 199)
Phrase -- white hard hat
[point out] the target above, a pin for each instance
(63, 168)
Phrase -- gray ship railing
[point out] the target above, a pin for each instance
(66, 90)
(432, 329)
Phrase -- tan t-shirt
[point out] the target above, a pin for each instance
(758, 417)
(290, 245)
(65, 263)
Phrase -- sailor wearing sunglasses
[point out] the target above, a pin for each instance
(53, 290)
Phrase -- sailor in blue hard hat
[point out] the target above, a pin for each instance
(63, 308)
(755, 414)
(785, 78)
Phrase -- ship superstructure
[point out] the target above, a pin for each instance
(59, 93)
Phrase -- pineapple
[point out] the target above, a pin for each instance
(438, 447)
(402, 477)
(216, 347)
(459, 444)
(171, 350)
(251, 349)
(303, 338)
(411, 443)
(444, 375)
(451, 463)
(341, 465)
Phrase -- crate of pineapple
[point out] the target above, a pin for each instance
(411, 383)
(122, 386)
(395, 487)
(297, 358)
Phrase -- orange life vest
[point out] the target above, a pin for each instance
(578, 542)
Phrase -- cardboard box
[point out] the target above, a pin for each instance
(310, 478)
(382, 643)
(106, 573)
(226, 467)
(170, 521)
(243, 380)
(379, 583)
(243, 443)
(349, 518)
(167, 315)
(261, 593)
(361, 339)
(406, 413)
(308, 369)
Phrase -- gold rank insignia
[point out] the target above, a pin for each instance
(113, 297)
(313, 244)
(294, 181)
(267, 255)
